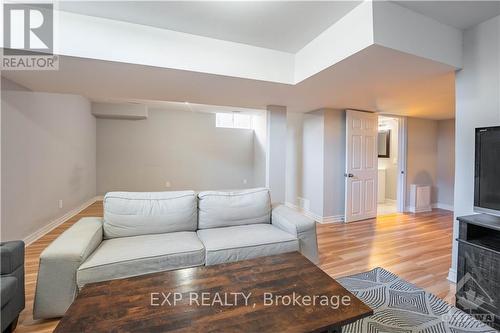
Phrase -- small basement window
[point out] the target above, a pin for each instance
(233, 120)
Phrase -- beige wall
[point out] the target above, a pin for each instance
(294, 157)
(334, 163)
(183, 148)
(422, 154)
(431, 151)
(276, 128)
(48, 154)
(446, 162)
(259, 150)
(316, 161)
(313, 141)
(477, 105)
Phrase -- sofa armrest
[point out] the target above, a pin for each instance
(12, 281)
(56, 283)
(304, 228)
(12, 256)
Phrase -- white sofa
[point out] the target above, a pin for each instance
(146, 232)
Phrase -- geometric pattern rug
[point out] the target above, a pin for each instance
(400, 307)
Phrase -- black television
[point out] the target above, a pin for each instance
(487, 171)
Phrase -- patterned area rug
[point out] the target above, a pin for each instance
(400, 307)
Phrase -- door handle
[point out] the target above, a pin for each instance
(350, 175)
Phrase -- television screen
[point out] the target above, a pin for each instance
(487, 170)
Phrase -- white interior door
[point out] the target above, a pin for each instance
(361, 165)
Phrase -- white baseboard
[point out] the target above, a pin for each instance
(434, 205)
(60, 220)
(315, 217)
(412, 209)
(291, 205)
(311, 215)
(443, 206)
(452, 275)
(333, 219)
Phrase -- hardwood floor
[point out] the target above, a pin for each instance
(417, 247)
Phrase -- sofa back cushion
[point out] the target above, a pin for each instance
(224, 209)
(141, 213)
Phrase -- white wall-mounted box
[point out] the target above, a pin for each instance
(420, 198)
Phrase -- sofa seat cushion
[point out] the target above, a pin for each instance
(245, 242)
(130, 256)
(8, 287)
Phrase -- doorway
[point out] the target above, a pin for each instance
(388, 165)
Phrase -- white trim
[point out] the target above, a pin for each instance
(434, 205)
(58, 221)
(412, 209)
(408, 209)
(315, 217)
(402, 163)
(291, 205)
(452, 275)
(333, 219)
(443, 206)
(311, 215)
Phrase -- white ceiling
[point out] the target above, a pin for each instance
(281, 25)
(375, 79)
(458, 14)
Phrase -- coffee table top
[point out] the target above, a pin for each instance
(248, 296)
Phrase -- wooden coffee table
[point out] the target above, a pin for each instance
(253, 296)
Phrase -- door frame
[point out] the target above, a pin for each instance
(402, 159)
(402, 163)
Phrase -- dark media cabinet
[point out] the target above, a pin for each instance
(478, 271)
